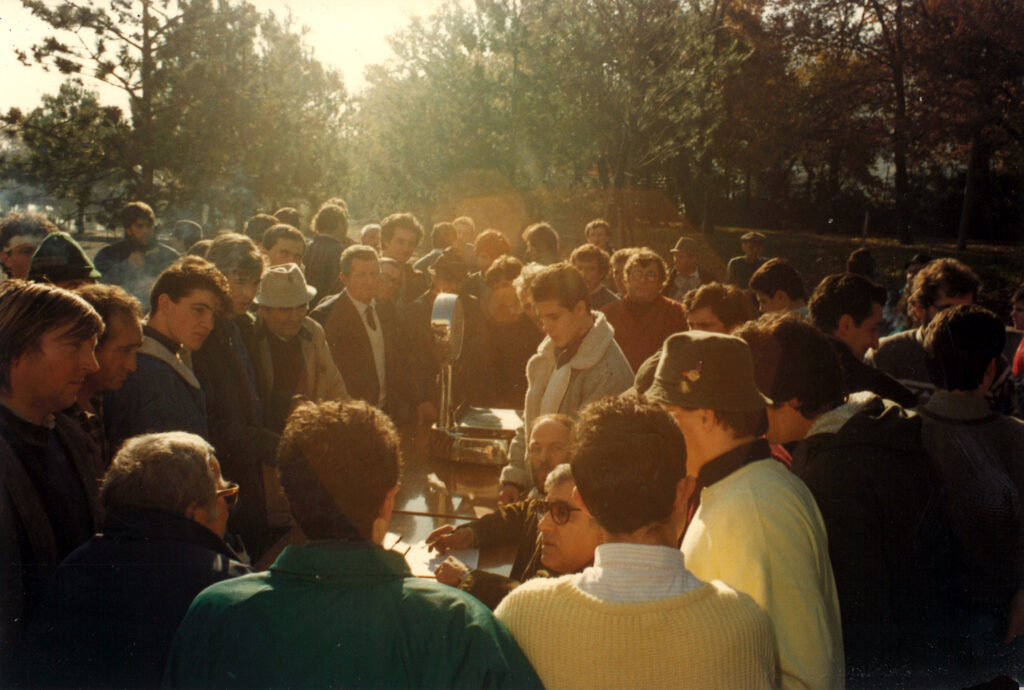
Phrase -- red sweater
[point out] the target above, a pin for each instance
(640, 329)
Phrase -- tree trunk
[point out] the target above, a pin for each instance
(975, 166)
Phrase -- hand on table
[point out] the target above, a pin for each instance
(448, 537)
(451, 572)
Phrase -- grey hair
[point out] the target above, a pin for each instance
(562, 473)
(356, 251)
(167, 472)
(524, 280)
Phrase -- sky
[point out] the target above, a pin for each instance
(346, 34)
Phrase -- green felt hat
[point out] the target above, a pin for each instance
(707, 371)
(58, 258)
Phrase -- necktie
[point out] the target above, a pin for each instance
(370, 321)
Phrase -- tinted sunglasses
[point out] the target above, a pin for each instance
(229, 494)
(559, 510)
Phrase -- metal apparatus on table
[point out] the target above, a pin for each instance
(463, 433)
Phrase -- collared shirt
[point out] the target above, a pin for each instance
(633, 573)
(376, 336)
(686, 283)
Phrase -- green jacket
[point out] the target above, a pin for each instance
(339, 614)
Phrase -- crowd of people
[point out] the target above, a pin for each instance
(728, 483)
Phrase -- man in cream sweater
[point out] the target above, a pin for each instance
(758, 528)
(638, 617)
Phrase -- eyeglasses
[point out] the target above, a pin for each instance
(229, 494)
(559, 510)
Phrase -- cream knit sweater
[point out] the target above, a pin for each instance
(711, 637)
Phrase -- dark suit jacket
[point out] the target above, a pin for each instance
(350, 347)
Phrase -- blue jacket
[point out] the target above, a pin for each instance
(161, 395)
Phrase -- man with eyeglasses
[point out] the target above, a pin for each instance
(643, 318)
(552, 537)
(637, 617)
(111, 611)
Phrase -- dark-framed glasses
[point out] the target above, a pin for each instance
(229, 494)
(560, 511)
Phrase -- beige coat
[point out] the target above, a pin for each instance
(598, 369)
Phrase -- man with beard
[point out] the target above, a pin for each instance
(136, 261)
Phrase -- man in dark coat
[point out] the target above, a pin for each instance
(848, 308)
(331, 227)
(110, 614)
(365, 336)
(246, 448)
(134, 262)
(889, 541)
(49, 467)
(163, 394)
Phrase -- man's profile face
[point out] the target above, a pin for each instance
(863, 336)
(50, 377)
(17, 257)
(503, 304)
(242, 290)
(402, 245)
(570, 547)
(362, 280)
(286, 251)
(703, 319)
(560, 324)
(1017, 314)
(772, 303)
(141, 231)
(284, 322)
(190, 319)
(591, 271)
(116, 355)
(548, 448)
(684, 262)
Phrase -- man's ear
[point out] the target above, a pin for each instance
(578, 500)
(684, 492)
(388, 504)
(343, 279)
(707, 420)
(580, 309)
(845, 325)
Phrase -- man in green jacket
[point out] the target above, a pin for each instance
(341, 611)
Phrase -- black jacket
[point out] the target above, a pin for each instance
(244, 446)
(111, 611)
(888, 536)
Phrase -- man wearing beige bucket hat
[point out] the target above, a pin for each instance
(757, 527)
(290, 350)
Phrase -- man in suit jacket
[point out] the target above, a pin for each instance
(365, 335)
